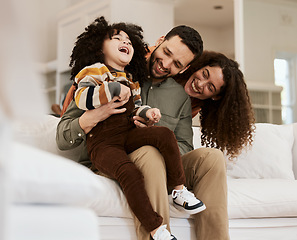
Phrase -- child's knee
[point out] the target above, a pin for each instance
(165, 134)
(128, 174)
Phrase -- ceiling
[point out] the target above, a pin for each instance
(202, 12)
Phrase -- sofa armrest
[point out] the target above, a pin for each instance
(42, 135)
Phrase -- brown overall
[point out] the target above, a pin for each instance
(109, 144)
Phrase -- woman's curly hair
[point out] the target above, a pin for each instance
(226, 123)
(89, 44)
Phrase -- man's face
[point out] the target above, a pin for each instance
(169, 58)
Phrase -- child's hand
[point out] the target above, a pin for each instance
(141, 122)
(153, 114)
(125, 93)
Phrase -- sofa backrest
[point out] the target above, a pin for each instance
(272, 155)
(42, 136)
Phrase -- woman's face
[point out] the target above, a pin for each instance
(205, 83)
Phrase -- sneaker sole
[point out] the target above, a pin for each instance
(193, 211)
(171, 237)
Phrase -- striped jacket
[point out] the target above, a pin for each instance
(97, 86)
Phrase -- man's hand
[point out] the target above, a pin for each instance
(153, 114)
(141, 122)
(90, 118)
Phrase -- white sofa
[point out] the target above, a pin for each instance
(262, 189)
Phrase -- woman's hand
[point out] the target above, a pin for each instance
(90, 118)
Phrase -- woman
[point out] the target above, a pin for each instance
(219, 93)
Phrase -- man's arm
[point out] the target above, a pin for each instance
(183, 130)
(69, 134)
(76, 123)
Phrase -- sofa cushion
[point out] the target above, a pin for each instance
(269, 157)
(41, 177)
(257, 198)
(53, 186)
(112, 195)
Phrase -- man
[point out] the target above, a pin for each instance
(204, 168)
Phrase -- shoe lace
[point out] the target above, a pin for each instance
(184, 193)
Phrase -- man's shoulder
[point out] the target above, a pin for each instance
(172, 83)
(175, 89)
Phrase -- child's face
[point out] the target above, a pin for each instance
(118, 51)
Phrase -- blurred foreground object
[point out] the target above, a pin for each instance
(21, 97)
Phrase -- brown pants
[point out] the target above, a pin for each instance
(108, 145)
(205, 175)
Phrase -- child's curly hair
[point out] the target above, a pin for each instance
(227, 123)
(89, 44)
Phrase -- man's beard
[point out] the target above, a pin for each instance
(151, 63)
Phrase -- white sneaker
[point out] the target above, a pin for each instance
(163, 234)
(186, 201)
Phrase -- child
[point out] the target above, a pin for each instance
(104, 63)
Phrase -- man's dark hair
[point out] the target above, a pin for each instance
(189, 36)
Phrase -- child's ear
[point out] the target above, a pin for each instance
(160, 40)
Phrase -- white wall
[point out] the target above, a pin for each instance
(45, 22)
(269, 26)
(216, 39)
(155, 17)
(42, 18)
